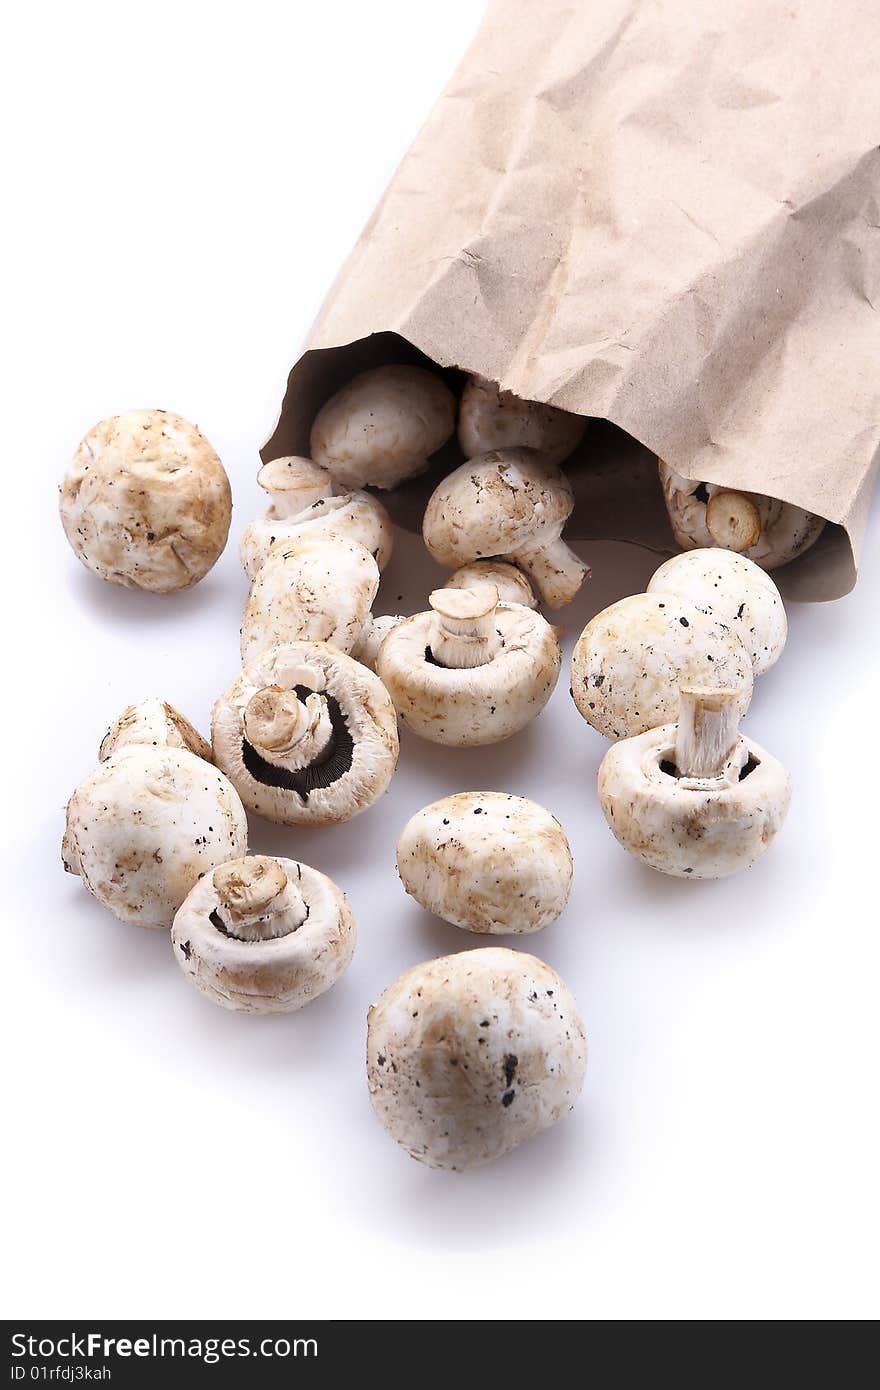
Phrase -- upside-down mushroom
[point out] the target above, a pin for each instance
(694, 799)
(472, 1054)
(264, 935)
(472, 670)
(306, 734)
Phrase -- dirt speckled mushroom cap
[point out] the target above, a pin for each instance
(145, 825)
(264, 935)
(306, 734)
(630, 660)
(700, 821)
(511, 583)
(487, 862)
(764, 529)
(470, 677)
(146, 502)
(472, 1054)
(313, 589)
(489, 418)
(734, 589)
(303, 504)
(512, 504)
(156, 723)
(383, 426)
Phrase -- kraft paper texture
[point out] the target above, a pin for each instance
(661, 213)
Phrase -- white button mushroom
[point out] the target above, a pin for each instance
(487, 862)
(383, 426)
(471, 671)
(317, 589)
(303, 503)
(146, 502)
(694, 799)
(307, 735)
(508, 503)
(264, 936)
(366, 649)
(737, 591)
(156, 723)
(631, 658)
(489, 418)
(766, 530)
(511, 583)
(145, 825)
(470, 1055)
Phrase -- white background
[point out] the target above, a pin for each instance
(184, 181)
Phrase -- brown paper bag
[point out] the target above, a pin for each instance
(661, 213)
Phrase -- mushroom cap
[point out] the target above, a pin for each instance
(494, 504)
(734, 589)
(489, 418)
(156, 723)
(487, 862)
(373, 635)
(353, 516)
(470, 706)
(631, 658)
(146, 502)
(785, 530)
(294, 477)
(280, 973)
(312, 589)
(512, 585)
(692, 827)
(363, 756)
(472, 1054)
(383, 426)
(145, 825)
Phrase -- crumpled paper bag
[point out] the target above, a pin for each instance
(659, 213)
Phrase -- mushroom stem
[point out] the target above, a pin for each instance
(257, 900)
(733, 520)
(708, 730)
(558, 573)
(286, 731)
(464, 633)
(294, 484)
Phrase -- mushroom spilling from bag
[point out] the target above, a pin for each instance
(303, 504)
(489, 418)
(766, 530)
(264, 936)
(734, 589)
(508, 504)
(157, 724)
(471, 671)
(511, 583)
(383, 426)
(694, 799)
(631, 659)
(472, 1054)
(487, 862)
(146, 502)
(146, 825)
(314, 589)
(306, 734)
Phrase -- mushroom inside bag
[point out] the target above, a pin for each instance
(306, 734)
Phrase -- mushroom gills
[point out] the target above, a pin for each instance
(334, 762)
